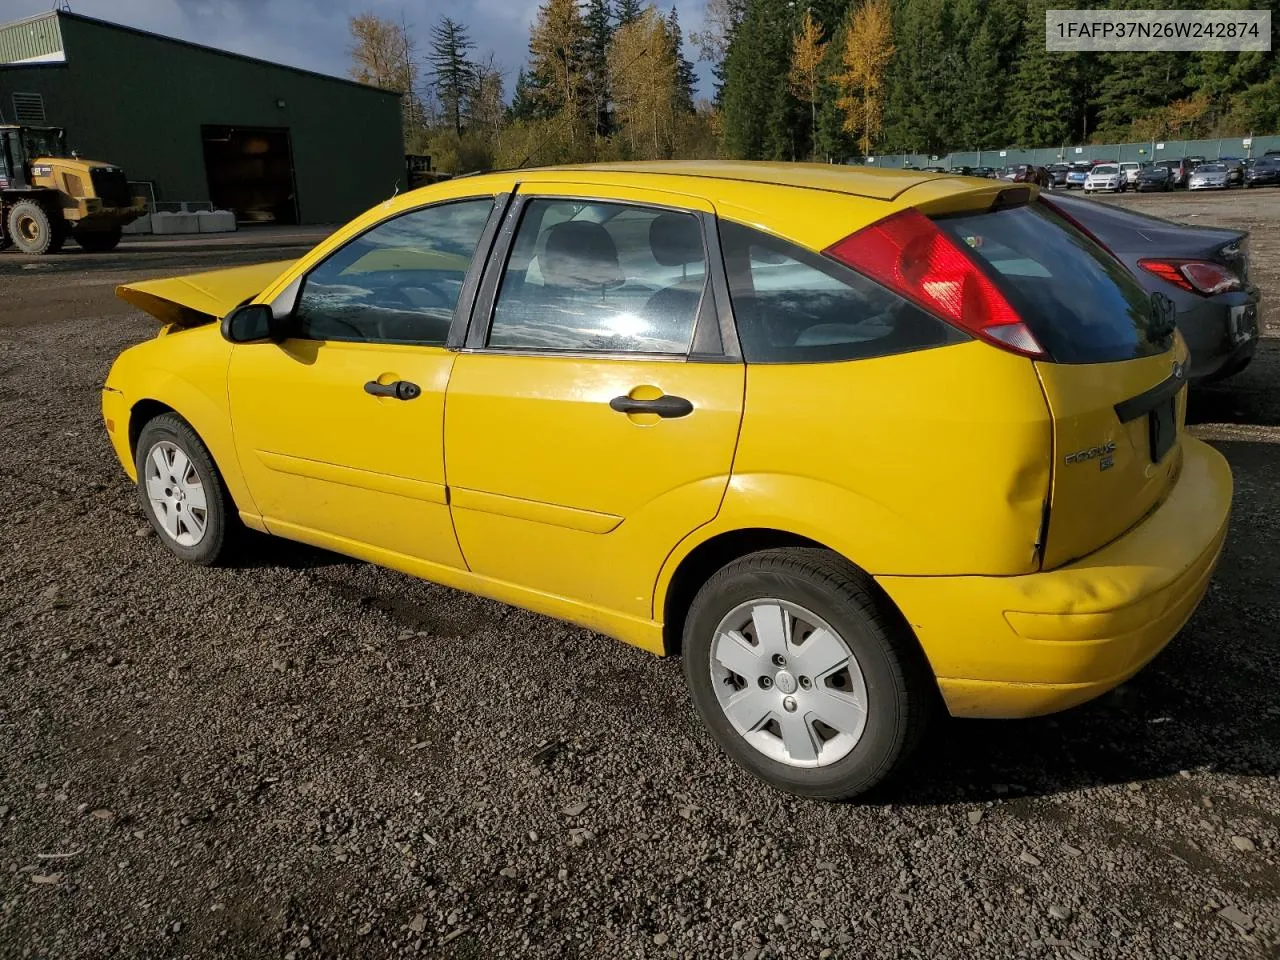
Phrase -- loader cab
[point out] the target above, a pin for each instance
(13, 168)
(21, 145)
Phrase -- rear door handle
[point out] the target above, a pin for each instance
(397, 390)
(665, 406)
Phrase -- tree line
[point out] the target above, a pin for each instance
(604, 81)
(826, 80)
(931, 76)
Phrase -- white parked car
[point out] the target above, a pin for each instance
(1106, 176)
(1130, 169)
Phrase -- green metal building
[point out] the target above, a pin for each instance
(273, 143)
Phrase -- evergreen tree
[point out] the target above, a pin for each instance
(1137, 83)
(720, 20)
(832, 141)
(599, 25)
(919, 106)
(982, 121)
(1041, 98)
(686, 79)
(524, 98)
(453, 74)
(757, 118)
(629, 10)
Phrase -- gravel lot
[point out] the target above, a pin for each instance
(312, 757)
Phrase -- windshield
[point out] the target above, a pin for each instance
(43, 142)
(1079, 301)
(1211, 168)
(1106, 170)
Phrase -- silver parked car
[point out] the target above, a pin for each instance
(1209, 176)
(1203, 270)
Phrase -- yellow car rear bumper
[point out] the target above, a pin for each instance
(1030, 645)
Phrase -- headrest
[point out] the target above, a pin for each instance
(580, 255)
(675, 239)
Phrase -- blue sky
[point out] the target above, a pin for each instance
(313, 33)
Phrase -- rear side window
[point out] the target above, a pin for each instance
(601, 277)
(1079, 301)
(794, 306)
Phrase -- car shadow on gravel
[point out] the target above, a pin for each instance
(1249, 398)
(264, 551)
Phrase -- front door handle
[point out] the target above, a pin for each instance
(397, 390)
(665, 406)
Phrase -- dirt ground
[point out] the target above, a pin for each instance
(306, 756)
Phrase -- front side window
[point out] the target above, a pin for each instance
(601, 277)
(794, 306)
(396, 283)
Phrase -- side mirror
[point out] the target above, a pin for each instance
(251, 323)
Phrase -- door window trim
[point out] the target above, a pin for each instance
(285, 304)
(714, 337)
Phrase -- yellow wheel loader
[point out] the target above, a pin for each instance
(47, 195)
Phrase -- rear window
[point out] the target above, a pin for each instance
(794, 306)
(1079, 301)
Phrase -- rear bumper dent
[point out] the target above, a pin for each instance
(1028, 645)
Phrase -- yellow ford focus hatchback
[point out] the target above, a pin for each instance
(859, 445)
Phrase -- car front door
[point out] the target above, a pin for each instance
(339, 427)
(592, 416)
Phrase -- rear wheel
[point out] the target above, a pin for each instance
(182, 493)
(97, 241)
(805, 674)
(32, 230)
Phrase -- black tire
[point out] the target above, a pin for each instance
(901, 692)
(97, 241)
(32, 230)
(222, 527)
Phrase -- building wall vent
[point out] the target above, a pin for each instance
(28, 108)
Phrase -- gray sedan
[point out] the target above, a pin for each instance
(1204, 270)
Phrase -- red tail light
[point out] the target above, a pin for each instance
(908, 254)
(1198, 276)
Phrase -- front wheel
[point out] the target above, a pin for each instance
(805, 674)
(33, 230)
(182, 494)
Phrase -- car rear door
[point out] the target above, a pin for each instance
(1114, 373)
(593, 412)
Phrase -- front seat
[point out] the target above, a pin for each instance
(580, 255)
(675, 240)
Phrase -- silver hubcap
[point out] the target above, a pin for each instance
(788, 683)
(176, 494)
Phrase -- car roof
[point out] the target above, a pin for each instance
(870, 182)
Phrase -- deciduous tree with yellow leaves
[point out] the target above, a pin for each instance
(804, 77)
(644, 78)
(868, 48)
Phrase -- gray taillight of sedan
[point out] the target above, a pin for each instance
(1204, 270)
(1209, 176)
